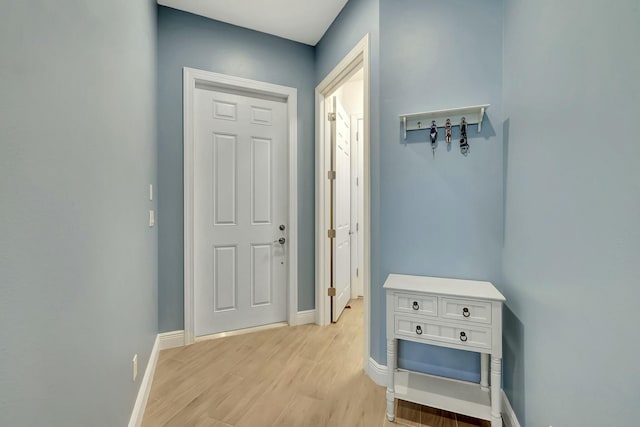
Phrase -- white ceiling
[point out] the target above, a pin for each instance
(304, 21)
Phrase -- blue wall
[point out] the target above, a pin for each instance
(186, 40)
(572, 236)
(356, 19)
(440, 216)
(78, 261)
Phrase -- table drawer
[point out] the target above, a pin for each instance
(432, 330)
(465, 310)
(416, 304)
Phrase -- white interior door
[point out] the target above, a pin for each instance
(357, 133)
(341, 210)
(240, 202)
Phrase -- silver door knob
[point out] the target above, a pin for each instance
(281, 240)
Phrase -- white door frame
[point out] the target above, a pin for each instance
(191, 77)
(353, 61)
(358, 170)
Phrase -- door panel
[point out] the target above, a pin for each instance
(240, 199)
(261, 274)
(224, 182)
(224, 280)
(342, 211)
(260, 180)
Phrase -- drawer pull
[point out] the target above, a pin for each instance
(416, 306)
(419, 330)
(463, 337)
(466, 312)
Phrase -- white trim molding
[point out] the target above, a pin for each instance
(171, 339)
(145, 386)
(377, 372)
(191, 77)
(305, 317)
(355, 60)
(508, 415)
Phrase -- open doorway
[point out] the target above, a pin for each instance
(346, 105)
(342, 191)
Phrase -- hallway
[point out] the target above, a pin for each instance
(301, 376)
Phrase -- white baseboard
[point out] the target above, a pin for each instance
(305, 317)
(508, 416)
(145, 386)
(171, 339)
(377, 372)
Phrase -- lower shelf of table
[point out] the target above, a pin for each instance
(456, 396)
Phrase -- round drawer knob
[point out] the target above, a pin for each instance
(415, 305)
(419, 330)
(466, 312)
(463, 337)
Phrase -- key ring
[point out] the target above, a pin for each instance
(447, 128)
(464, 145)
(433, 134)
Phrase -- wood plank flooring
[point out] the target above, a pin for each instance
(301, 376)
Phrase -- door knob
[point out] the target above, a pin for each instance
(281, 240)
(282, 227)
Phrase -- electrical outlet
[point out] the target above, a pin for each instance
(135, 366)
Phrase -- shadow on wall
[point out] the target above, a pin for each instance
(513, 354)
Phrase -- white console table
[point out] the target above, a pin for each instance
(460, 314)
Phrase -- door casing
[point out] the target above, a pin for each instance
(191, 78)
(356, 59)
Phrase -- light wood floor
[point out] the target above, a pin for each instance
(301, 376)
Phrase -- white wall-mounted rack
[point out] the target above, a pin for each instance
(415, 121)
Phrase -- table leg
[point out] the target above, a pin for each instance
(496, 384)
(391, 369)
(484, 371)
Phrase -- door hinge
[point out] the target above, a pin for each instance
(357, 271)
(331, 292)
(357, 136)
(331, 233)
(357, 226)
(331, 174)
(357, 181)
(331, 117)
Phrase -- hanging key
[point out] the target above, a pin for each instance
(433, 134)
(447, 128)
(464, 145)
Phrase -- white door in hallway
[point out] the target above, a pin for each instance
(341, 210)
(240, 205)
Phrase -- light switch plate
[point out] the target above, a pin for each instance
(151, 192)
(152, 218)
